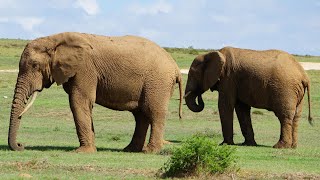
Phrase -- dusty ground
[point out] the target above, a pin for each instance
(10, 70)
(310, 66)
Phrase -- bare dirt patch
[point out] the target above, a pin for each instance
(9, 70)
(310, 66)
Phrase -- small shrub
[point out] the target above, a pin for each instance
(209, 133)
(115, 138)
(197, 156)
(193, 52)
(257, 112)
(166, 151)
(56, 129)
(189, 50)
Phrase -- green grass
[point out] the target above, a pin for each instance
(48, 131)
(307, 58)
(10, 51)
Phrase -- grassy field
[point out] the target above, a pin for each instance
(11, 49)
(49, 134)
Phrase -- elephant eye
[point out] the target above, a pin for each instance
(48, 51)
(35, 65)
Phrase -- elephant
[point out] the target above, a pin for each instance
(124, 73)
(244, 78)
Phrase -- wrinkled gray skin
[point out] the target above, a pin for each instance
(271, 80)
(122, 73)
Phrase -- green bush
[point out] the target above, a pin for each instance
(257, 112)
(193, 51)
(189, 50)
(199, 155)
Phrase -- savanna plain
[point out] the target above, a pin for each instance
(49, 134)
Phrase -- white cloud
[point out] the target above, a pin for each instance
(152, 9)
(89, 6)
(28, 23)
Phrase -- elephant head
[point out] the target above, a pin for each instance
(204, 73)
(44, 61)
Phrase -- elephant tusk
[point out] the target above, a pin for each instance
(187, 94)
(34, 96)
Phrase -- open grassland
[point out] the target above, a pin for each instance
(49, 134)
(11, 49)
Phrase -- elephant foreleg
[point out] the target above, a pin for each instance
(244, 117)
(226, 117)
(139, 136)
(82, 113)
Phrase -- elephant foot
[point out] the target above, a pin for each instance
(249, 143)
(151, 149)
(132, 148)
(282, 145)
(227, 142)
(294, 145)
(86, 149)
(166, 142)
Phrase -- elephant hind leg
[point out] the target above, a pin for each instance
(139, 136)
(285, 140)
(156, 140)
(295, 126)
(244, 117)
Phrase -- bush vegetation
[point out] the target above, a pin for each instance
(199, 156)
(189, 50)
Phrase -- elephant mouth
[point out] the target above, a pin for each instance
(197, 92)
(33, 98)
(48, 85)
(28, 106)
(215, 86)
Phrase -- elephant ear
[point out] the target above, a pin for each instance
(69, 55)
(213, 63)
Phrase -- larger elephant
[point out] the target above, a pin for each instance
(121, 73)
(270, 79)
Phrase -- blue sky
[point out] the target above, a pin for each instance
(290, 25)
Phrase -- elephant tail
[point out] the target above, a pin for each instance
(179, 81)
(310, 119)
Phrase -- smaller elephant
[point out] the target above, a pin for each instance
(270, 79)
(125, 73)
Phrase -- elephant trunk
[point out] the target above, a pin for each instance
(20, 98)
(190, 98)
